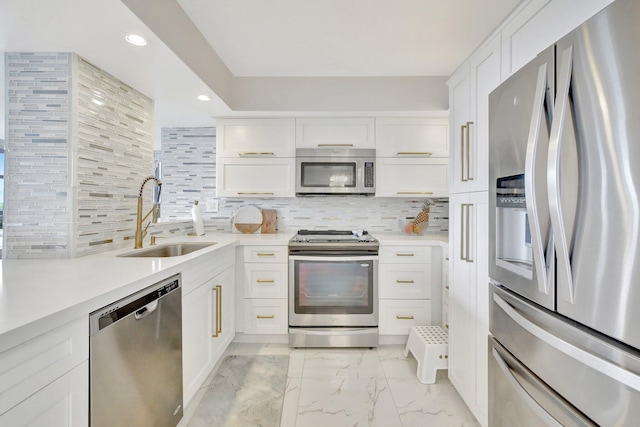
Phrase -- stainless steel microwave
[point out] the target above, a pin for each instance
(335, 171)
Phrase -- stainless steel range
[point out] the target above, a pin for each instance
(333, 289)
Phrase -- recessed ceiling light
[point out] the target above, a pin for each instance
(204, 97)
(136, 40)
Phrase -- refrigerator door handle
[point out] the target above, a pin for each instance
(539, 260)
(522, 393)
(589, 359)
(553, 176)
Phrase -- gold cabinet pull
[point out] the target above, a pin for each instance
(405, 317)
(256, 153)
(219, 308)
(415, 192)
(414, 153)
(410, 282)
(335, 145)
(254, 193)
(462, 133)
(266, 254)
(403, 254)
(265, 281)
(262, 316)
(469, 177)
(216, 332)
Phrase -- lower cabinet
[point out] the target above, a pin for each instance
(45, 381)
(208, 327)
(264, 284)
(64, 402)
(406, 294)
(469, 299)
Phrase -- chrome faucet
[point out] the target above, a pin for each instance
(141, 232)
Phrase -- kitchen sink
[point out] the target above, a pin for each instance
(168, 250)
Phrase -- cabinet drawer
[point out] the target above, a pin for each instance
(405, 281)
(405, 254)
(398, 316)
(29, 367)
(263, 280)
(265, 316)
(266, 254)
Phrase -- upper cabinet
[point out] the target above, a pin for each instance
(255, 138)
(255, 157)
(469, 92)
(335, 132)
(412, 137)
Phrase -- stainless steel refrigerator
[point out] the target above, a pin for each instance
(564, 227)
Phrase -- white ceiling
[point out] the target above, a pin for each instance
(253, 38)
(345, 37)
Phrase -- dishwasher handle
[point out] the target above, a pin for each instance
(146, 310)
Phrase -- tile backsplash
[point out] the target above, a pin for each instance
(189, 172)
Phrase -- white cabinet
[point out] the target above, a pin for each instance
(256, 177)
(469, 92)
(255, 158)
(408, 137)
(264, 282)
(412, 157)
(445, 293)
(468, 299)
(208, 317)
(414, 177)
(64, 402)
(44, 381)
(255, 138)
(335, 132)
(405, 291)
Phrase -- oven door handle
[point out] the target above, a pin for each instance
(341, 258)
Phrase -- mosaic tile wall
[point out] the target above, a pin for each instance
(79, 144)
(38, 93)
(188, 169)
(188, 174)
(114, 135)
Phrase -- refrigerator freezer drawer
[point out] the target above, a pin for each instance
(519, 399)
(595, 374)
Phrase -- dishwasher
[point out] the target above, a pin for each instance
(135, 360)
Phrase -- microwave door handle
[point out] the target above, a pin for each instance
(565, 280)
(530, 175)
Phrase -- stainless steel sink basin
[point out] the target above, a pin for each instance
(168, 250)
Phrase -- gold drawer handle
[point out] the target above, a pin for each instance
(266, 254)
(265, 281)
(270, 316)
(410, 282)
(415, 192)
(255, 153)
(414, 153)
(401, 254)
(405, 317)
(253, 193)
(335, 145)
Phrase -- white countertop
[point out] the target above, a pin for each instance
(39, 295)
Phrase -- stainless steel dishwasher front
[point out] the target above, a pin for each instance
(136, 359)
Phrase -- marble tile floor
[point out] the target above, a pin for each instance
(358, 387)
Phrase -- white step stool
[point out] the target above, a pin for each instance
(429, 345)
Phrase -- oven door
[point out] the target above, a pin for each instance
(333, 291)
